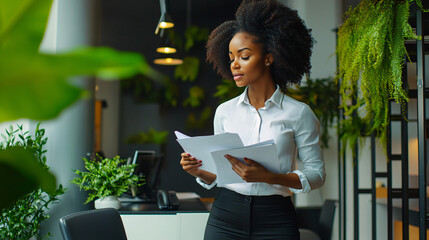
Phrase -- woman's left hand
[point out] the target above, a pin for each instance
(250, 172)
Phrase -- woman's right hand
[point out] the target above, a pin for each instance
(191, 165)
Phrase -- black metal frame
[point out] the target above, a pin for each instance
(421, 122)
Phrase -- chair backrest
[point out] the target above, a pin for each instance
(95, 224)
(326, 219)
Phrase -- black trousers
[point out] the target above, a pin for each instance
(236, 216)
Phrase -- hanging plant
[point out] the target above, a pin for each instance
(371, 54)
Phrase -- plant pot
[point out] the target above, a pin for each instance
(107, 202)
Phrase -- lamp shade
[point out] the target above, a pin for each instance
(166, 50)
(165, 21)
(165, 46)
(168, 61)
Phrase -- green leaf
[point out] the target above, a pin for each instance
(103, 62)
(196, 94)
(193, 122)
(195, 34)
(22, 24)
(43, 84)
(23, 173)
(227, 90)
(188, 70)
(38, 83)
(371, 50)
(105, 178)
(152, 136)
(158, 137)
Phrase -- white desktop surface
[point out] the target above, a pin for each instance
(145, 221)
(179, 226)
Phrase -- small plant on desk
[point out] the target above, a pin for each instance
(106, 179)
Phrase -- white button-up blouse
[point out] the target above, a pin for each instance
(293, 127)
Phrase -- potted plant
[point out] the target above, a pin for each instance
(23, 218)
(106, 179)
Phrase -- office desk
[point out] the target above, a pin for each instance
(145, 221)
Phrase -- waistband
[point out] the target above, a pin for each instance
(255, 199)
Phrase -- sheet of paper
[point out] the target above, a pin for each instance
(180, 135)
(262, 143)
(266, 155)
(200, 147)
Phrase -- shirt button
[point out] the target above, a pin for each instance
(248, 198)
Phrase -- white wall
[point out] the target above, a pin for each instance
(322, 17)
(109, 91)
(70, 136)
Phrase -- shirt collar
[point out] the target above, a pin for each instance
(276, 98)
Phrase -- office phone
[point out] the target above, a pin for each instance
(167, 200)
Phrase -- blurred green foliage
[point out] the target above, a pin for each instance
(227, 90)
(151, 136)
(200, 121)
(322, 97)
(188, 70)
(196, 95)
(37, 85)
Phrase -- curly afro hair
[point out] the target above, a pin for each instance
(281, 31)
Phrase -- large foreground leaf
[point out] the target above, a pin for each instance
(21, 173)
(23, 23)
(37, 86)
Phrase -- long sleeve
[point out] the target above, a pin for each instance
(312, 175)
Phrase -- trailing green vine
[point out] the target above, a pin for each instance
(371, 54)
(420, 5)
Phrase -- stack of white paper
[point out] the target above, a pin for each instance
(212, 149)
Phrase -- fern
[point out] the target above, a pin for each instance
(371, 55)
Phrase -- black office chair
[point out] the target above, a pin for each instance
(95, 224)
(326, 221)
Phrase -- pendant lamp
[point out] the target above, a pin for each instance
(165, 46)
(165, 21)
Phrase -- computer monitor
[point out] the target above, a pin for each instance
(148, 165)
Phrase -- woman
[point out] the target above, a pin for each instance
(266, 48)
